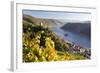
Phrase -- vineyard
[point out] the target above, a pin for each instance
(41, 44)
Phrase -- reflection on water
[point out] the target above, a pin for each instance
(77, 39)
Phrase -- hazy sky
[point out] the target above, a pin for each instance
(59, 15)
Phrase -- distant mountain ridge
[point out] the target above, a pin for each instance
(78, 27)
(38, 21)
(83, 27)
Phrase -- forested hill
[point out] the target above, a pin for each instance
(38, 21)
(78, 27)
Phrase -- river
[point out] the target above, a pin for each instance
(77, 39)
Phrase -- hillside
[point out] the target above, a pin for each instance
(38, 21)
(83, 28)
(41, 44)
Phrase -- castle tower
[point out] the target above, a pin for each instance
(41, 24)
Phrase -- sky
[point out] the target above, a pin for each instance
(59, 15)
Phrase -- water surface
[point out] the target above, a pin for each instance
(73, 37)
